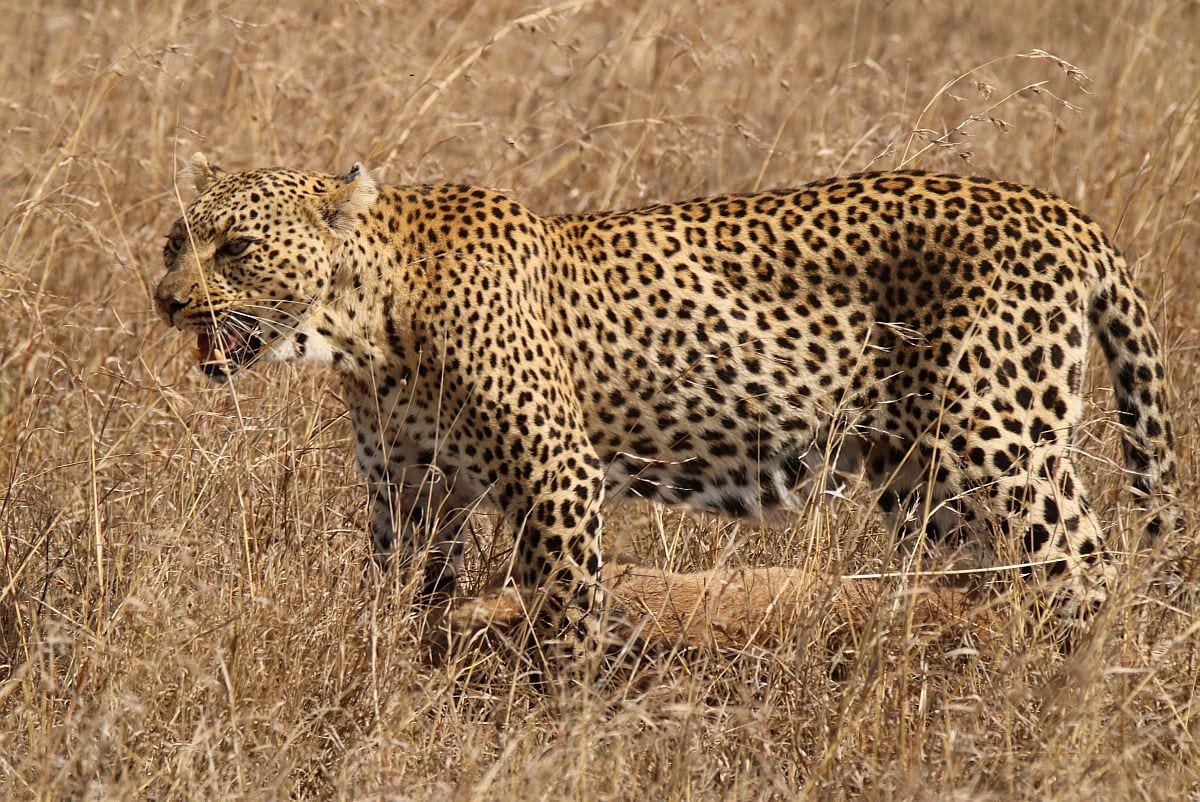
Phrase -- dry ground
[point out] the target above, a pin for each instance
(182, 611)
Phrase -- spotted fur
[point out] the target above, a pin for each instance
(717, 354)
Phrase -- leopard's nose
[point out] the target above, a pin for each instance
(168, 303)
(171, 307)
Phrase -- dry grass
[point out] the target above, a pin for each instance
(182, 613)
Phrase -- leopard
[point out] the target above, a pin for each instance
(733, 354)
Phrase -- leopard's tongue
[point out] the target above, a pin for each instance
(210, 348)
(204, 347)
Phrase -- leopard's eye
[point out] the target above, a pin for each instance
(174, 244)
(235, 248)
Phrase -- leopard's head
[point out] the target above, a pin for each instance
(253, 256)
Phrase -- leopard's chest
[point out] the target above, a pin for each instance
(407, 443)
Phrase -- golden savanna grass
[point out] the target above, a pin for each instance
(183, 608)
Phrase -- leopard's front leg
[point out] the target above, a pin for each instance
(557, 520)
(419, 521)
(553, 504)
(419, 511)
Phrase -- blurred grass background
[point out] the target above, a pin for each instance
(182, 610)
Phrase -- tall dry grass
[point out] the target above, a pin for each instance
(182, 611)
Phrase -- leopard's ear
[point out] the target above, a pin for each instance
(353, 193)
(199, 173)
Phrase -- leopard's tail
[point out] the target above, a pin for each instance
(1122, 324)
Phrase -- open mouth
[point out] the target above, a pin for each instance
(224, 349)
